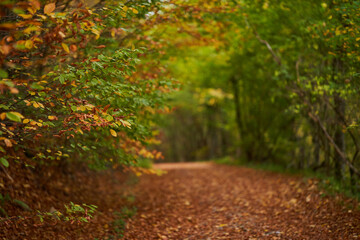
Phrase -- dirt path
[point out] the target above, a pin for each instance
(207, 201)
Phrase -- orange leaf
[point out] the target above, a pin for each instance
(8, 142)
(73, 48)
(5, 49)
(14, 90)
(35, 4)
(49, 8)
(100, 46)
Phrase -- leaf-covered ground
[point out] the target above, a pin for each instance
(190, 201)
(47, 189)
(206, 201)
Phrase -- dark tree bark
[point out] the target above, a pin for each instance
(235, 87)
(339, 137)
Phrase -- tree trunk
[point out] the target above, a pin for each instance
(339, 137)
(235, 87)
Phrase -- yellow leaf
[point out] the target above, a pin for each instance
(31, 29)
(80, 131)
(36, 105)
(337, 32)
(29, 44)
(26, 120)
(25, 16)
(125, 123)
(49, 8)
(96, 32)
(112, 32)
(65, 47)
(113, 133)
(125, 8)
(42, 16)
(135, 11)
(31, 10)
(51, 118)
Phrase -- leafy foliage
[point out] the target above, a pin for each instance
(73, 81)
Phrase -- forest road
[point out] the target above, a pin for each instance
(209, 201)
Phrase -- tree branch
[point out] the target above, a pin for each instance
(337, 149)
(276, 57)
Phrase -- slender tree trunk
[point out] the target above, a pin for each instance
(339, 137)
(235, 87)
(316, 143)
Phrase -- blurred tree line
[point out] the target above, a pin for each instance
(267, 81)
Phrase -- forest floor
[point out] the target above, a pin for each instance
(208, 201)
(183, 201)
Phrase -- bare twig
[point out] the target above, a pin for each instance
(6, 173)
(276, 57)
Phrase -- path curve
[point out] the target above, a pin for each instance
(206, 201)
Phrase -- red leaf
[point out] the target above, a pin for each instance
(106, 107)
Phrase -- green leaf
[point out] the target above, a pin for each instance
(4, 162)
(109, 118)
(3, 73)
(14, 116)
(4, 107)
(22, 204)
(37, 86)
(3, 212)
